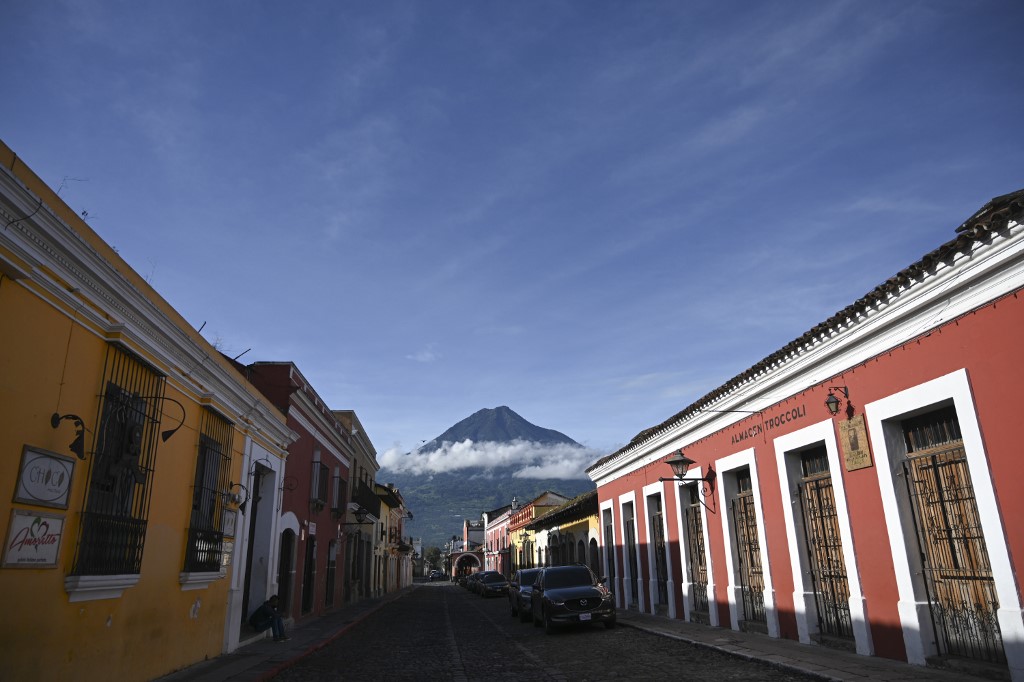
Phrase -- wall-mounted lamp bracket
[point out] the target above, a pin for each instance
(77, 446)
(361, 515)
(236, 498)
(166, 434)
(833, 403)
(680, 464)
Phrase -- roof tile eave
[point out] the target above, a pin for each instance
(992, 217)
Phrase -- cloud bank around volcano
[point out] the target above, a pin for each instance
(526, 459)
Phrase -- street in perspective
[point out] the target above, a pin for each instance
(439, 631)
(520, 340)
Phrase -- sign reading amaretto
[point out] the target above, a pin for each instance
(770, 423)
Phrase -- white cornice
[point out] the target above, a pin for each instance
(964, 283)
(68, 271)
(326, 441)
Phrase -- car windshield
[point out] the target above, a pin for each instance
(568, 577)
(526, 578)
(494, 578)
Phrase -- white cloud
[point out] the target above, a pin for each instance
(730, 128)
(425, 355)
(532, 460)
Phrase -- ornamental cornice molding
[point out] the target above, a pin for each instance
(955, 287)
(65, 267)
(327, 423)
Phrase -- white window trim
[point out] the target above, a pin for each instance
(724, 465)
(610, 555)
(684, 543)
(888, 447)
(199, 580)
(803, 587)
(659, 490)
(94, 587)
(630, 498)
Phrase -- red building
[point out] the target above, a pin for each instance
(856, 488)
(311, 567)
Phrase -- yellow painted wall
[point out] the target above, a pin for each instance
(155, 627)
(51, 360)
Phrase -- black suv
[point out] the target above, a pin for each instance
(563, 595)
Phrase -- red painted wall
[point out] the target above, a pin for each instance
(987, 342)
(275, 381)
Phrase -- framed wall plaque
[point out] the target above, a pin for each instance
(229, 518)
(33, 540)
(44, 478)
(853, 441)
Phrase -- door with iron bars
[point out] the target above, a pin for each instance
(955, 561)
(748, 554)
(696, 559)
(657, 526)
(630, 559)
(824, 547)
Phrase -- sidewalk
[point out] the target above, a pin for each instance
(820, 661)
(263, 658)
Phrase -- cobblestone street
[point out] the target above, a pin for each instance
(442, 632)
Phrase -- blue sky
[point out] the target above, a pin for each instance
(592, 212)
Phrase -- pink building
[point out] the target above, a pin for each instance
(497, 545)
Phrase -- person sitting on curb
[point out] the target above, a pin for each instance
(268, 616)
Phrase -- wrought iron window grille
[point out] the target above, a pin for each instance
(205, 548)
(116, 506)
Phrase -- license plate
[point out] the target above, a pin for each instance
(584, 616)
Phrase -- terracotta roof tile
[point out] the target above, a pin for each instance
(992, 218)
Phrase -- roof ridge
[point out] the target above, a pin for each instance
(994, 216)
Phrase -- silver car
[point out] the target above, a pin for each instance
(519, 589)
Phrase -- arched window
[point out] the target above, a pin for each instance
(595, 557)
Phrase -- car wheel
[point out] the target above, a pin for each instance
(549, 627)
(512, 609)
(536, 621)
(524, 616)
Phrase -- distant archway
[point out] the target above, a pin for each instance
(466, 563)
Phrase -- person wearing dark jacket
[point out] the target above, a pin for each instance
(268, 616)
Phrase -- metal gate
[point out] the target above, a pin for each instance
(630, 558)
(955, 563)
(696, 558)
(824, 545)
(660, 556)
(609, 546)
(748, 552)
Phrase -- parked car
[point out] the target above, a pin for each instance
(435, 575)
(564, 595)
(492, 584)
(519, 589)
(469, 581)
(476, 585)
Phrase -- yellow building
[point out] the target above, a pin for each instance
(525, 551)
(393, 549)
(364, 512)
(568, 533)
(131, 452)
